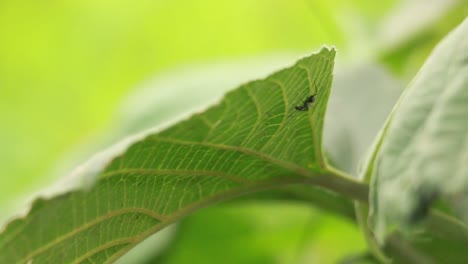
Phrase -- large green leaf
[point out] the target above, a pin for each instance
(65, 66)
(348, 130)
(254, 139)
(423, 152)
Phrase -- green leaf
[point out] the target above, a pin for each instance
(118, 45)
(423, 152)
(254, 139)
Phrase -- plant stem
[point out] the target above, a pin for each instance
(345, 184)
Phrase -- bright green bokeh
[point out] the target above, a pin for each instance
(258, 233)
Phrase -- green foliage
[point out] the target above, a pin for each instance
(423, 152)
(253, 140)
(65, 66)
(416, 162)
(154, 193)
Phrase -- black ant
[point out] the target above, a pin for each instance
(305, 106)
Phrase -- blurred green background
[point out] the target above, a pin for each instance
(67, 66)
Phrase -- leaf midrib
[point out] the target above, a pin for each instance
(231, 177)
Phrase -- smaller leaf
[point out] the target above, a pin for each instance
(424, 146)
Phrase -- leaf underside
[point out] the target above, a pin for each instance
(424, 152)
(254, 139)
